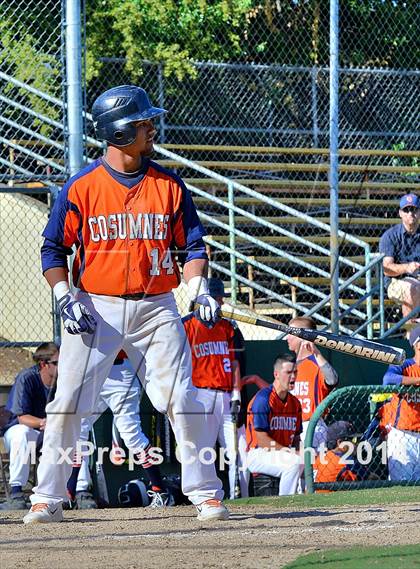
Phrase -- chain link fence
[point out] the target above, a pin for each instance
(31, 98)
(247, 89)
(241, 111)
(272, 105)
(33, 156)
(367, 437)
(25, 297)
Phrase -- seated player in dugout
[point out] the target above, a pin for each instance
(273, 429)
(400, 417)
(34, 387)
(315, 378)
(331, 466)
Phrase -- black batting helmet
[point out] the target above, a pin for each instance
(132, 494)
(115, 111)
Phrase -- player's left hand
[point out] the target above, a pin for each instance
(208, 311)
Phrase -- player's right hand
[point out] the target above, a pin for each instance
(235, 407)
(76, 317)
(207, 310)
(413, 267)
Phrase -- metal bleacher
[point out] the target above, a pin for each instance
(266, 212)
(276, 219)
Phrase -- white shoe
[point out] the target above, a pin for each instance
(160, 499)
(212, 510)
(44, 514)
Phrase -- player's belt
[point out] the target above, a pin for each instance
(216, 389)
(136, 296)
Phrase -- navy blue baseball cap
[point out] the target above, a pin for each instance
(216, 287)
(340, 430)
(409, 200)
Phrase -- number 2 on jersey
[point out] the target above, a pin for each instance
(227, 365)
(166, 263)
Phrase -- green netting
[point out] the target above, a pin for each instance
(383, 444)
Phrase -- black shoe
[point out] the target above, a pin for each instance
(160, 499)
(85, 501)
(15, 502)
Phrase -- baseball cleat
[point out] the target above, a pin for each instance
(85, 501)
(44, 514)
(212, 510)
(15, 502)
(160, 499)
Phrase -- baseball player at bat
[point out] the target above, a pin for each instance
(127, 217)
(217, 377)
(120, 393)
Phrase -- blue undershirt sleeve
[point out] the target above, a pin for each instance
(261, 410)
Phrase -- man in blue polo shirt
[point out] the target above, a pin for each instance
(401, 246)
(33, 389)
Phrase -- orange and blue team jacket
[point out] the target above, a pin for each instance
(281, 420)
(333, 470)
(126, 229)
(213, 352)
(310, 387)
(403, 411)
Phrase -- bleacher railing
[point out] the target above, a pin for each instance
(235, 255)
(362, 308)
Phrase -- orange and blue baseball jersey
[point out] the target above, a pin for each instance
(126, 229)
(395, 374)
(401, 412)
(310, 387)
(280, 419)
(332, 469)
(213, 352)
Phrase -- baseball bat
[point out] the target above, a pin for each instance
(237, 485)
(101, 487)
(234, 416)
(359, 347)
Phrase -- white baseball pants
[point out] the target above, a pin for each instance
(20, 443)
(121, 394)
(150, 331)
(279, 463)
(403, 453)
(320, 434)
(217, 405)
(319, 439)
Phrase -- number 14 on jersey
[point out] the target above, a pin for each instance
(160, 262)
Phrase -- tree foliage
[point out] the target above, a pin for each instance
(173, 32)
(22, 57)
(295, 32)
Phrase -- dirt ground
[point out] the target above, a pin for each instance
(254, 537)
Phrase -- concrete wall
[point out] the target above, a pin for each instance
(25, 298)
